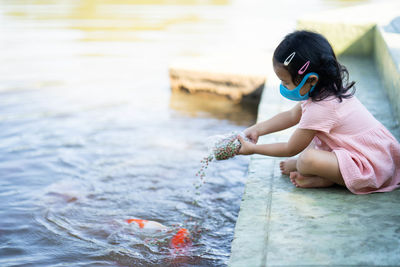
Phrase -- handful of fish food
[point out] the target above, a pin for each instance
(226, 146)
(221, 147)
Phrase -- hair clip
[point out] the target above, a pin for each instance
(304, 68)
(289, 59)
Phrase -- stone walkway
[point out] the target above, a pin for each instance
(281, 225)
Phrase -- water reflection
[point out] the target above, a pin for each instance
(209, 105)
(109, 20)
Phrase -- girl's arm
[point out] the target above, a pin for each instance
(299, 140)
(277, 123)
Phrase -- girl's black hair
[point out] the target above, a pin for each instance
(333, 77)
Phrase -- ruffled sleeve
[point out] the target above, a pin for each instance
(319, 116)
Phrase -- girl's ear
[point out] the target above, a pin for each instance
(313, 79)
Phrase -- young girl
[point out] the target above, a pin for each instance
(339, 140)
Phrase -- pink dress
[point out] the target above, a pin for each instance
(368, 154)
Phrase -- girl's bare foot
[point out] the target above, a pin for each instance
(288, 166)
(309, 181)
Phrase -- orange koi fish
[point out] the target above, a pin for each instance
(179, 241)
(145, 224)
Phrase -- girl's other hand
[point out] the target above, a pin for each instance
(247, 148)
(252, 134)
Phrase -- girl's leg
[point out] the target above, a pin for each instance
(317, 168)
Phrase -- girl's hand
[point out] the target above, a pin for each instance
(247, 147)
(252, 134)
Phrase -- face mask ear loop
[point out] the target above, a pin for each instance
(304, 81)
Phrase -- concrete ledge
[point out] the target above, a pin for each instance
(387, 59)
(249, 247)
(355, 39)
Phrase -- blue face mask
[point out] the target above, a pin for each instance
(295, 93)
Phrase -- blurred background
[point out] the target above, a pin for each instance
(90, 134)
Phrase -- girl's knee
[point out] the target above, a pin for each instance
(306, 161)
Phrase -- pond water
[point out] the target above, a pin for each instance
(90, 134)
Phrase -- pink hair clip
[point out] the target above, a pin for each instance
(304, 68)
(289, 59)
